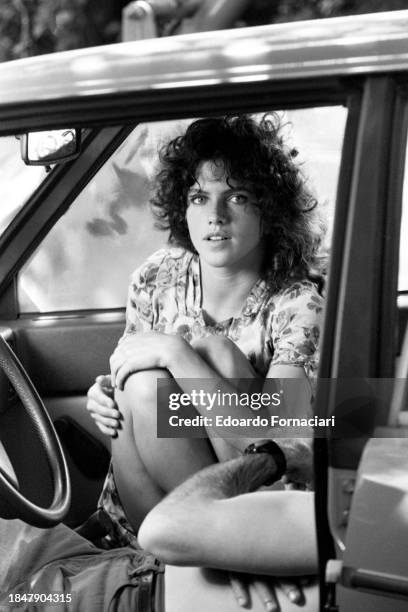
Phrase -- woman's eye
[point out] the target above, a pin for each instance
(239, 198)
(196, 199)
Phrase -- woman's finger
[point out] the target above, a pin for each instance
(104, 382)
(111, 423)
(107, 431)
(101, 405)
(97, 394)
(115, 361)
(239, 589)
(126, 369)
(267, 595)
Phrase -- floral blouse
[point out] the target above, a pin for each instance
(272, 328)
(280, 328)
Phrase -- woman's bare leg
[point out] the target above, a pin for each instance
(229, 362)
(147, 467)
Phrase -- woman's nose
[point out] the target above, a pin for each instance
(217, 212)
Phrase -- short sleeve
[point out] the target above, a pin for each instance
(295, 328)
(139, 307)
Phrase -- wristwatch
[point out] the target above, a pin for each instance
(270, 448)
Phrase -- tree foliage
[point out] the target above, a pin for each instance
(33, 27)
(269, 11)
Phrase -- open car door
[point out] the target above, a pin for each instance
(361, 470)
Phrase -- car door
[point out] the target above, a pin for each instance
(363, 356)
(68, 255)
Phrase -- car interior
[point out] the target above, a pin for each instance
(71, 291)
(72, 233)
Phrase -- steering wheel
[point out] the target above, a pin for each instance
(12, 503)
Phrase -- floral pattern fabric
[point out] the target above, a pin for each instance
(272, 328)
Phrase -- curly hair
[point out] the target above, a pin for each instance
(255, 155)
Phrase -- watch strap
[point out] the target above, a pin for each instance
(270, 448)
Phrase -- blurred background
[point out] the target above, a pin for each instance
(33, 27)
(111, 218)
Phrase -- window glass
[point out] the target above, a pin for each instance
(317, 134)
(403, 258)
(86, 260)
(17, 181)
(401, 362)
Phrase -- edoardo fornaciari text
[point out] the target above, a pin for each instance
(256, 421)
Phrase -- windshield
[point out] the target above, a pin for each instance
(17, 181)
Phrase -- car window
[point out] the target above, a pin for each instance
(403, 257)
(86, 260)
(401, 363)
(17, 181)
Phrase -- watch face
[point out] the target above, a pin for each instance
(262, 446)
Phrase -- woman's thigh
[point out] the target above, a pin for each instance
(229, 362)
(169, 461)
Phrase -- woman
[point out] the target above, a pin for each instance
(235, 299)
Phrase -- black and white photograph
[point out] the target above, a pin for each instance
(203, 306)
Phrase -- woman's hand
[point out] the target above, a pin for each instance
(265, 589)
(102, 406)
(145, 351)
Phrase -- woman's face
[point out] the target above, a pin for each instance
(223, 221)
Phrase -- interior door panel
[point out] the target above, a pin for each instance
(63, 356)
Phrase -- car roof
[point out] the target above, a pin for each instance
(372, 43)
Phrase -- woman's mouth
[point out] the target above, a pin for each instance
(216, 237)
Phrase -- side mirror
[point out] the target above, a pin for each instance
(51, 147)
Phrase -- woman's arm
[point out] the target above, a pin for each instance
(152, 350)
(215, 519)
(193, 370)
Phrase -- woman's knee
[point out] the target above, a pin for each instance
(139, 394)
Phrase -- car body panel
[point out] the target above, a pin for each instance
(377, 536)
(300, 50)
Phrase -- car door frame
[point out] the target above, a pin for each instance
(57, 194)
(359, 339)
(360, 94)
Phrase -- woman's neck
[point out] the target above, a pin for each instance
(225, 290)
